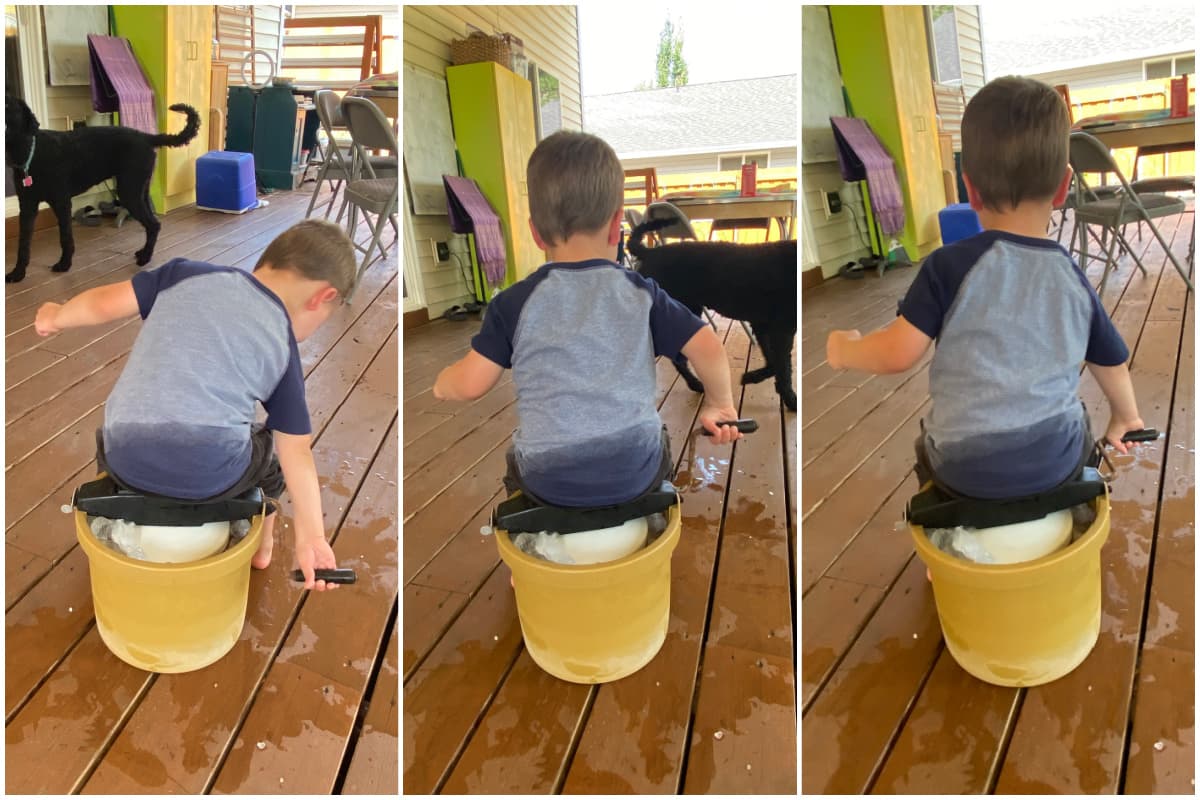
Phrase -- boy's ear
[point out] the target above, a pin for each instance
(537, 237)
(321, 297)
(1064, 187)
(972, 195)
(614, 227)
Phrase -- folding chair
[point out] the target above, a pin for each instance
(336, 166)
(370, 194)
(1088, 155)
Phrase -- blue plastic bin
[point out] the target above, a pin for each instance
(225, 182)
(958, 222)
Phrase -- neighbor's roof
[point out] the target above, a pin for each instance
(1102, 37)
(700, 118)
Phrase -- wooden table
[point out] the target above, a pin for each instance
(388, 100)
(1145, 133)
(780, 205)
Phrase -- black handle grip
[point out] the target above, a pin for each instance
(328, 575)
(1144, 435)
(743, 425)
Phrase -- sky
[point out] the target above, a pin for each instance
(618, 41)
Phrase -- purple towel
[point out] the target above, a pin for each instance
(118, 83)
(470, 212)
(863, 157)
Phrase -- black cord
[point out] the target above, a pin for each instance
(857, 227)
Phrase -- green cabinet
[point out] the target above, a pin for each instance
(173, 45)
(492, 112)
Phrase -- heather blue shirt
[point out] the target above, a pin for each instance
(581, 339)
(214, 343)
(1014, 319)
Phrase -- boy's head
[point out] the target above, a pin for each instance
(576, 185)
(1015, 134)
(316, 260)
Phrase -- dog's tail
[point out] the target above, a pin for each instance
(183, 137)
(635, 245)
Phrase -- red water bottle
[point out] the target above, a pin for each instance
(749, 178)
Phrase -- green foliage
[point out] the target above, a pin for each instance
(670, 68)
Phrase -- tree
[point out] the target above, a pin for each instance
(670, 67)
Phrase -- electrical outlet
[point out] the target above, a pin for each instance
(442, 251)
(833, 203)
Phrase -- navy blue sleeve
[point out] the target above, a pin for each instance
(672, 324)
(147, 285)
(287, 408)
(928, 298)
(495, 338)
(1105, 347)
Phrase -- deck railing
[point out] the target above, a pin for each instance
(1136, 96)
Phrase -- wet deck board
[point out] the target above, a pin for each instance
(511, 727)
(886, 708)
(111, 728)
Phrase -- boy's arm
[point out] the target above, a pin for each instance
(707, 356)
(469, 378)
(93, 307)
(300, 475)
(892, 349)
(1118, 388)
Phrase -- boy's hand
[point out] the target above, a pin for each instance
(834, 347)
(721, 434)
(312, 553)
(1118, 428)
(46, 323)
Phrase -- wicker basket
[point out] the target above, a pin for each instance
(481, 47)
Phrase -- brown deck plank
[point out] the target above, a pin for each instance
(336, 673)
(1161, 754)
(374, 768)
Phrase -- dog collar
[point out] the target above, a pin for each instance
(29, 160)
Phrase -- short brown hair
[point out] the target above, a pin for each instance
(318, 250)
(576, 184)
(1015, 134)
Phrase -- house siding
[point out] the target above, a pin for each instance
(549, 35)
(970, 49)
(829, 243)
(1097, 75)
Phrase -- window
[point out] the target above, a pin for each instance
(735, 162)
(942, 29)
(1169, 67)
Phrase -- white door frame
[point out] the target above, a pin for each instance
(414, 286)
(30, 47)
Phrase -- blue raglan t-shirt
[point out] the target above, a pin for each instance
(581, 339)
(214, 343)
(1014, 319)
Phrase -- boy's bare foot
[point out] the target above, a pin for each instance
(262, 558)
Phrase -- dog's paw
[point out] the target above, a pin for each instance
(143, 258)
(789, 399)
(695, 385)
(61, 266)
(16, 276)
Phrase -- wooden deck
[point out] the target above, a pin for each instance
(885, 707)
(306, 702)
(714, 712)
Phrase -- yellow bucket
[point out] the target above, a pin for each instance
(594, 623)
(169, 617)
(1021, 624)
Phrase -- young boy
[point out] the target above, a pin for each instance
(581, 334)
(214, 342)
(1012, 314)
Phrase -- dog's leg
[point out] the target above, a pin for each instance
(762, 334)
(137, 200)
(693, 383)
(783, 339)
(28, 215)
(66, 240)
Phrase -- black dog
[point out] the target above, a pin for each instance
(54, 166)
(751, 282)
